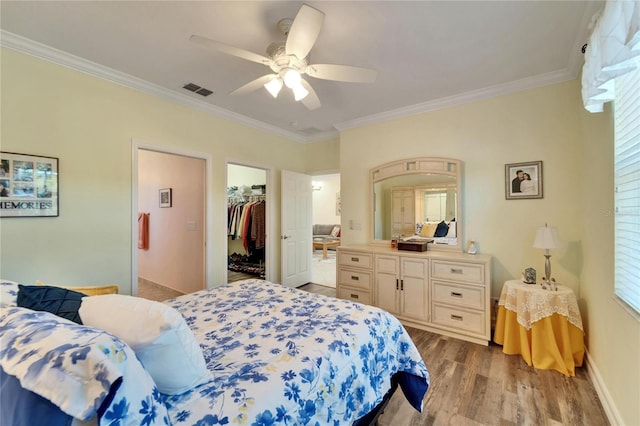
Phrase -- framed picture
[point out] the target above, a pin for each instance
(523, 180)
(28, 185)
(165, 197)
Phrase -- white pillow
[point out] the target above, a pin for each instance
(157, 333)
(452, 229)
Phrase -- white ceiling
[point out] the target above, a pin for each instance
(428, 54)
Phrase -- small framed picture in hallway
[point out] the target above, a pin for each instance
(165, 197)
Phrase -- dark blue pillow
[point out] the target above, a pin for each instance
(59, 301)
(21, 407)
(441, 230)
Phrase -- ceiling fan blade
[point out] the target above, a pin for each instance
(253, 85)
(304, 31)
(310, 101)
(230, 50)
(342, 73)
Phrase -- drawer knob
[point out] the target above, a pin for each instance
(355, 278)
(355, 259)
(456, 317)
(456, 294)
(456, 270)
(354, 296)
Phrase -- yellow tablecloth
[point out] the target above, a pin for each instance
(552, 341)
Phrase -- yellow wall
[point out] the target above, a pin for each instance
(89, 125)
(528, 126)
(322, 156)
(576, 148)
(613, 335)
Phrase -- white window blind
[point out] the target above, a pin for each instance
(627, 188)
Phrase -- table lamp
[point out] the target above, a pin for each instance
(547, 238)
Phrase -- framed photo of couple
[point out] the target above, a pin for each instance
(523, 180)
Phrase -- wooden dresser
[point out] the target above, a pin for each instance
(443, 292)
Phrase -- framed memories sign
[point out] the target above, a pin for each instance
(28, 185)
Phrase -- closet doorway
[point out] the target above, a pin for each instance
(247, 219)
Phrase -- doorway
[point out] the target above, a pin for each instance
(169, 225)
(326, 207)
(247, 219)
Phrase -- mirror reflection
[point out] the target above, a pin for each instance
(418, 198)
(412, 204)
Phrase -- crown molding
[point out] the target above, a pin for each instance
(50, 54)
(574, 64)
(462, 98)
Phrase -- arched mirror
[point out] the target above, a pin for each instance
(419, 197)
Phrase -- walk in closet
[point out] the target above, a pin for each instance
(246, 222)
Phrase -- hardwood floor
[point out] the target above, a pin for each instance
(472, 384)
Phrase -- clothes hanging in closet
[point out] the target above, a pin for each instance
(246, 221)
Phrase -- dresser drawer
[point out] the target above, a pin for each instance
(459, 295)
(359, 260)
(354, 295)
(354, 278)
(458, 271)
(461, 319)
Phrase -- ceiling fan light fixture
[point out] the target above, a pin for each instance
(274, 86)
(299, 92)
(292, 78)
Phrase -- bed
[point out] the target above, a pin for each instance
(273, 355)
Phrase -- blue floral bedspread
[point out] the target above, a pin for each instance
(82, 370)
(285, 356)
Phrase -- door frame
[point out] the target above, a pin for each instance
(269, 214)
(137, 144)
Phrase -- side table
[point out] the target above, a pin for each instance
(543, 326)
(324, 245)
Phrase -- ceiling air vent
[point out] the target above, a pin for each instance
(197, 89)
(310, 131)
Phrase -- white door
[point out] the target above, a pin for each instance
(403, 211)
(296, 229)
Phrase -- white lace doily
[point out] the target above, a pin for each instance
(531, 303)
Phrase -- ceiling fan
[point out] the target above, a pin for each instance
(289, 60)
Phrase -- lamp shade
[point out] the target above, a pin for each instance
(547, 237)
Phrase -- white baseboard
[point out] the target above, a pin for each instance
(603, 393)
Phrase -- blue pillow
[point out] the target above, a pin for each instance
(441, 230)
(21, 407)
(59, 301)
